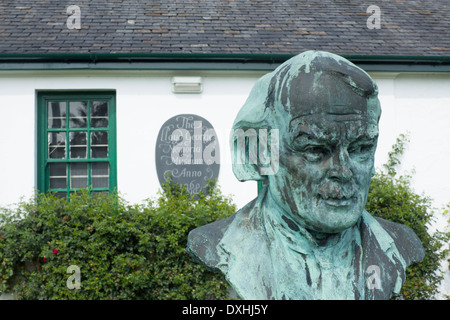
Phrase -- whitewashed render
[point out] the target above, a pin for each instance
(414, 103)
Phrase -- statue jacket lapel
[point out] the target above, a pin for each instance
(239, 247)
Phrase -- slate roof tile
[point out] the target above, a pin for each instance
(413, 27)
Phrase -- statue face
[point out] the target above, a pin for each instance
(326, 161)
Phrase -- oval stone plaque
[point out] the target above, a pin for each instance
(187, 149)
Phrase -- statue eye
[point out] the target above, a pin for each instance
(363, 150)
(315, 153)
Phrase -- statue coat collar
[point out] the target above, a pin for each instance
(243, 248)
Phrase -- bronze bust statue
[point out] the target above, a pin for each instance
(307, 235)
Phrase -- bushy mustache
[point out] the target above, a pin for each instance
(333, 190)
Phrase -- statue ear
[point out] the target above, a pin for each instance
(244, 156)
(244, 136)
(253, 156)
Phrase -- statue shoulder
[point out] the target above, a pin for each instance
(406, 241)
(202, 242)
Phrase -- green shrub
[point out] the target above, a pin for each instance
(123, 251)
(391, 197)
(138, 251)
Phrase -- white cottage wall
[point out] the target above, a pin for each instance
(143, 108)
(414, 103)
(144, 102)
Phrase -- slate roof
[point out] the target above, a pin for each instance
(408, 27)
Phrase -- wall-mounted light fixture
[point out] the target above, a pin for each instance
(187, 84)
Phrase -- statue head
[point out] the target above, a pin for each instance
(325, 111)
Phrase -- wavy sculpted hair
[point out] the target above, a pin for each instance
(272, 94)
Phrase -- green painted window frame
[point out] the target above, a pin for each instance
(43, 130)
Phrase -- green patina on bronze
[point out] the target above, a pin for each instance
(307, 235)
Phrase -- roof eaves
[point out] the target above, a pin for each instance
(206, 61)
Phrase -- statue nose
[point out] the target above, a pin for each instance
(339, 166)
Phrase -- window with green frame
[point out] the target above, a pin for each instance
(76, 142)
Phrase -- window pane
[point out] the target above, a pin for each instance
(78, 145)
(78, 114)
(57, 169)
(56, 145)
(99, 144)
(56, 114)
(57, 175)
(99, 114)
(58, 183)
(100, 175)
(78, 175)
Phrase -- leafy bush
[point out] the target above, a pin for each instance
(391, 197)
(138, 251)
(122, 251)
